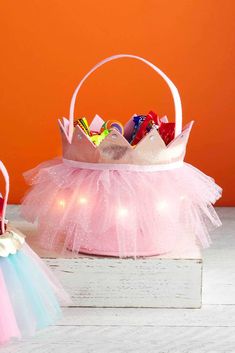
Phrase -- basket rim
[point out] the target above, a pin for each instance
(124, 166)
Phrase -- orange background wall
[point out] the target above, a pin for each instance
(48, 45)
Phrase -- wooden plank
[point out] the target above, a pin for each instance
(219, 262)
(207, 316)
(106, 339)
(86, 330)
(219, 276)
(111, 282)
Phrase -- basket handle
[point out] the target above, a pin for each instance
(7, 187)
(174, 91)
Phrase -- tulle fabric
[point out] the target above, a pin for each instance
(120, 212)
(29, 295)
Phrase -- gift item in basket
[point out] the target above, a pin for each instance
(132, 194)
(97, 136)
(29, 293)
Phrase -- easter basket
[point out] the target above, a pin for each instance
(29, 293)
(120, 198)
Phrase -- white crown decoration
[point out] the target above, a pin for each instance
(115, 148)
(11, 240)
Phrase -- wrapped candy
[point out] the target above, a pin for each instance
(167, 132)
(145, 124)
(142, 125)
(98, 138)
(113, 124)
(137, 119)
(83, 125)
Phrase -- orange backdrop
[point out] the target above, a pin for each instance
(47, 46)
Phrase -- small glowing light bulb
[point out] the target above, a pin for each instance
(62, 203)
(122, 212)
(82, 200)
(161, 205)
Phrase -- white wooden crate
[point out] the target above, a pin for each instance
(170, 281)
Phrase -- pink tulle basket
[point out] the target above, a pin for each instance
(117, 199)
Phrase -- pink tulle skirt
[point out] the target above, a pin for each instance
(120, 212)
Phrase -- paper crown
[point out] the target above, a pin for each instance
(115, 148)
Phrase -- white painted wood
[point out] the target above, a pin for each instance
(133, 339)
(219, 276)
(219, 262)
(210, 329)
(173, 280)
(109, 282)
(207, 316)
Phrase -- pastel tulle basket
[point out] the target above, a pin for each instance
(121, 200)
(29, 293)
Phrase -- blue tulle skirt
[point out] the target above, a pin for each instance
(29, 295)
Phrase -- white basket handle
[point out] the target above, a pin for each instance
(7, 187)
(174, 91)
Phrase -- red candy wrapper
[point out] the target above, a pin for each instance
(1, 209)
(1, 205)
(150, 120)
(167, 132)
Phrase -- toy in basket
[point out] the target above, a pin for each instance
(28, 292)
(122, 192)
